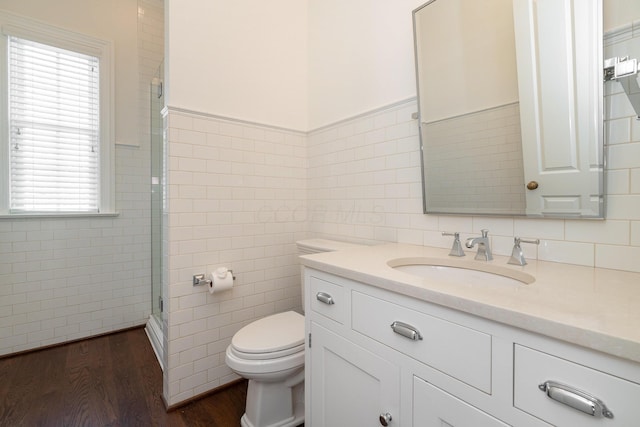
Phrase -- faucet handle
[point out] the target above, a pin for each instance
(484, 232)
(517, 255)
(456, 249)
(518, 240)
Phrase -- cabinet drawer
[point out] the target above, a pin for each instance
(433, 407)
(456, 350)
(328, 299)
(532, 368)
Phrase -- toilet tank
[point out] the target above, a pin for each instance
(314, 246)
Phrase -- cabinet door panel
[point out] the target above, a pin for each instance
(433, 407)
(350, 386)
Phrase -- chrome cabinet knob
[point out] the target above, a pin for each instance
(385, 419)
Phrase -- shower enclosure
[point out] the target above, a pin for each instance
(155, 324)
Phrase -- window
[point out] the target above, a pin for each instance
(54, 129)
(56, 135)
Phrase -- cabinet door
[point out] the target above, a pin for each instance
(350, 386)
(433, 407)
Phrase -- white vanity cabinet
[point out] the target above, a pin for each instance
(350, 384)
(353, 385)
(378, 357)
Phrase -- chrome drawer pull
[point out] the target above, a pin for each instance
(325, 298)
(406, 330)
(576, 399)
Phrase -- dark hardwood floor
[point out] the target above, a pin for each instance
(113, 380)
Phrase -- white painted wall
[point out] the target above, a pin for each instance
(240, 59)
(468, 57)
(114, 20)
(360, 57)
(298, 65)
(361, 54)
(620, 12)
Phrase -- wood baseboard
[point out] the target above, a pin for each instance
(201, 395)
(62, 344)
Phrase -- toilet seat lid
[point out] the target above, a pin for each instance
(271, 334)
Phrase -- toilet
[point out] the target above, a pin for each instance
(270, 354)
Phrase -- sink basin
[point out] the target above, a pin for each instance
(462, 272)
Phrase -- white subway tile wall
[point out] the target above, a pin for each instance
(364, 177)
(491, 180)
(63, 279)
(364, 186)
(237, 199)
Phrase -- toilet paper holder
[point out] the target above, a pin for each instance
(200, 279)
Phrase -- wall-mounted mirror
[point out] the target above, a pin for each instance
(510, 96)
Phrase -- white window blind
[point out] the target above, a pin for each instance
(54, 123)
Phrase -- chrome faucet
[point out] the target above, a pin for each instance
(484, 250)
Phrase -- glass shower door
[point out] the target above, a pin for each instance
(157, 191)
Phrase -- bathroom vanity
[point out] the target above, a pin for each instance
(398, 348)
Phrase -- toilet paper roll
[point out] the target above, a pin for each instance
(221, 280)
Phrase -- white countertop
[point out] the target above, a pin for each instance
(593, 307)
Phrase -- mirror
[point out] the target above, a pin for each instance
(510, 98)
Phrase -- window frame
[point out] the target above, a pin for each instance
(26, 28)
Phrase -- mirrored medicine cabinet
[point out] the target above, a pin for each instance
(510, 98)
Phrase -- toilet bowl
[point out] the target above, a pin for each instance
(270, 354)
